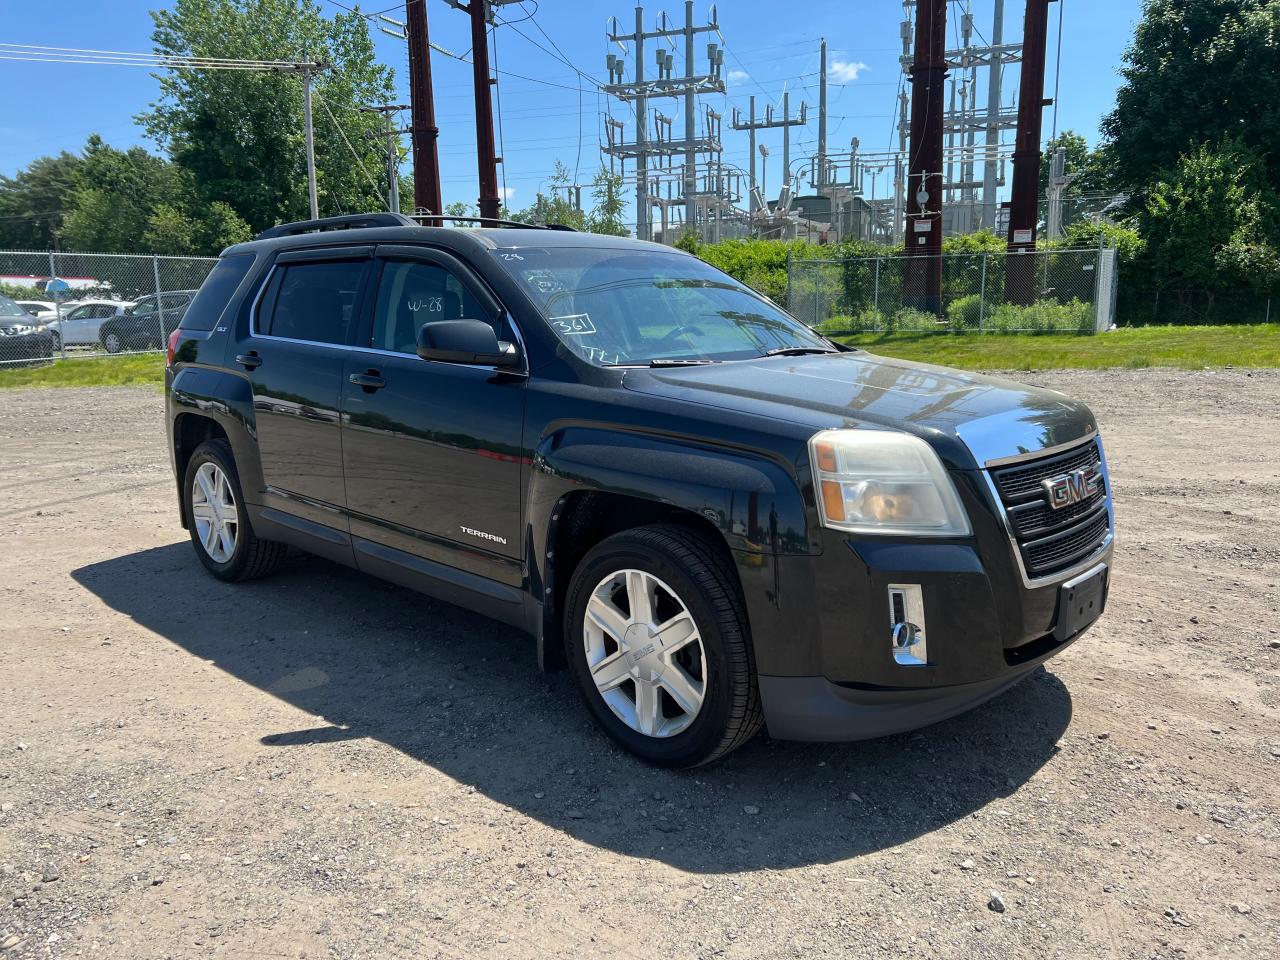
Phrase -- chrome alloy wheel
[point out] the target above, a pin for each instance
(213, 509)
(645, 653)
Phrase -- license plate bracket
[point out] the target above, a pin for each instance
(1081, 602)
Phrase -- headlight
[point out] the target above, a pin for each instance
(875, 481)
(21, 330)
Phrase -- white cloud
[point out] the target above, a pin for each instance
(844, 71)
(737, 76)
(507, 192)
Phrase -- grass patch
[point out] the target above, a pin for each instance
(1189, 348)
(137, 369)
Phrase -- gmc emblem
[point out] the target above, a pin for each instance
(1072, 487)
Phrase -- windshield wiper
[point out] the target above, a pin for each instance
(797, 351)
(679, 362)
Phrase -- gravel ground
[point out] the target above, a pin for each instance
(322, 765)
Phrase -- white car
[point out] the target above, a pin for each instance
(42, 310)
(80, 321)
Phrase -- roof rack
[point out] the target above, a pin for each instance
(361, 220)
(519, 224)
(354, 222)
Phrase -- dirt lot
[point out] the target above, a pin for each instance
(321, 765)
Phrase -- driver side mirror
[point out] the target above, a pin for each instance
(464, 341)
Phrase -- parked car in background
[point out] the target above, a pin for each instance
(42, 310)
(147, 323)
(21, 335)
(81, 321)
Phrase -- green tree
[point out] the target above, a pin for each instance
(554, 207)
(34, 201)
(114, 196)
(130, 201)
(240, 134)
(1198, 71)
(606, 215)
(1209, 222)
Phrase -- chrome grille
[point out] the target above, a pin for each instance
(1050, 540)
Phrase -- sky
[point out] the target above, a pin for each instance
(770, 46)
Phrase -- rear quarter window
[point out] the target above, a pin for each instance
(216, 292)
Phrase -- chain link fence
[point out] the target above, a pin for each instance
(91, 304)
(1045, 291)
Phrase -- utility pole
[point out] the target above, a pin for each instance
(964, 62)
(423, 132)
(640, 91)
(392, 136)
(311, 143)
(751, 124)
(822, 115)
(924, 160)
(1019, 285)
(993, 113)
(486, 153)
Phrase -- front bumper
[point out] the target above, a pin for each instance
(814, 708)
(821, 629)
(27, 346)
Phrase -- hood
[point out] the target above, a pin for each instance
(969, 418)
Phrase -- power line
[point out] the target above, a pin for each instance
(343, 135)
(46, 54)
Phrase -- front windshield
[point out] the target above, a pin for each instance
(10, 309)
(617, 307)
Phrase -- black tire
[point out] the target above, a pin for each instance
(112, 342)
(252, 557)
(703, 577)
(55, 341)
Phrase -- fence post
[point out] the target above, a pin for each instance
(790, 260)
(875, 306)
(57, 305)
(817, 282)
(982, 292)
(164, 330)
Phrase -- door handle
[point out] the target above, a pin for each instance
(249, 360)
(370, 380)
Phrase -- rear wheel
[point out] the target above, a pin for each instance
(218, 522)
(659, 645)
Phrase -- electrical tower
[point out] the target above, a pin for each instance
(768, 122)
(639, 91)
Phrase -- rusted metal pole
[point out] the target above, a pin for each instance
(924, 158)
(423, 131)
(486, 154)
(1024, 207)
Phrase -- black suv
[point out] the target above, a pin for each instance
(716, 517)
(147, 323)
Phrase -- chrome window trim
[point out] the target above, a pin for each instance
(256, 335)
(1093, 559)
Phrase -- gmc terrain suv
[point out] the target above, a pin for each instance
(717, 518)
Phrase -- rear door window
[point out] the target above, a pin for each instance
(313, 301)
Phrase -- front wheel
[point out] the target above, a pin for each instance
(112, 342)
(218, 521)
(659, 644)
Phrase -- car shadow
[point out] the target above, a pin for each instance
(462, 693)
